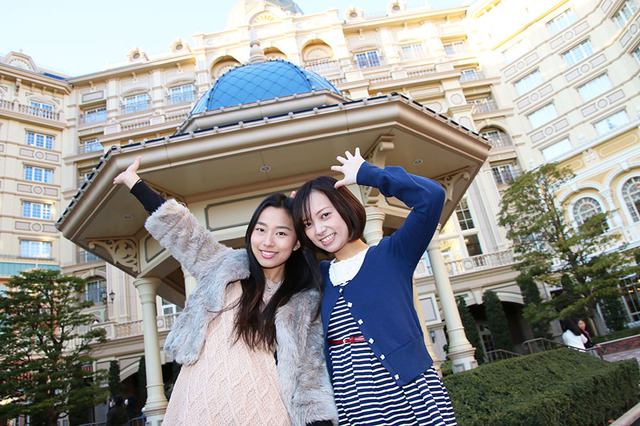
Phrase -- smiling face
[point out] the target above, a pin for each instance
(273, 239)
(324, 226)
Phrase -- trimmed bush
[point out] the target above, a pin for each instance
(560, 387)
(616, 335)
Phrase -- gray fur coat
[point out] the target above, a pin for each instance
(304, 381)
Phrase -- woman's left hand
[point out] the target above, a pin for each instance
(349, 168)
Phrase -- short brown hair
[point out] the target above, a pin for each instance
(345, 203)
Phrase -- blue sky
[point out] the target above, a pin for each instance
(78, 37)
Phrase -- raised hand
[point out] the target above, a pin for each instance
(349, 167)
(130, 176)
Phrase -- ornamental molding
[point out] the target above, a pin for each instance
(123, 251)
(449, 181)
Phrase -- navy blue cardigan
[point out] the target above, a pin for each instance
(381, 294)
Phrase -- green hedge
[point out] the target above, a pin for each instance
(616, 335)
(560, 387)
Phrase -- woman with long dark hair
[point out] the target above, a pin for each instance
(250, 336)
(380, 368)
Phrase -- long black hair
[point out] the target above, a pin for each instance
(255, 322)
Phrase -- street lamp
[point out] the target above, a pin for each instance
(112, 296)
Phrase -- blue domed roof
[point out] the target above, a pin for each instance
(260, 81)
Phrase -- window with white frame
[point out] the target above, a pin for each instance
(584, 208)
(136, 103)
(40, 141)
(96, 290)
(636, 53)
(37, 174)
(631, 296)
(40, 109)
(182, 94)
(631, 196)
(514, 52)
(542, 115)
(496, 137)
(561, 22)
(412, 51)
(614, 121)
(528, 82)
(595, 87)
(36, 210)
(169, 308)
(503, 174)
(469, 75)
(95, 115)
(455, 47)
(578, 53)
(30, 248)
(91, 145)
(368, 59)
(557, 149)
(464, 216)
(624, 14)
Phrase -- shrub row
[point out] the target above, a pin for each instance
(560, 387)
(616, 335)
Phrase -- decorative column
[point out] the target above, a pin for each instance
(372, 234)
(189, 282)
(156, 403)
(373, 228)
(460, 350)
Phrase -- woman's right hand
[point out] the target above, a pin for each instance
(130, 176)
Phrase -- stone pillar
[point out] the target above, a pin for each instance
(189, 282)
(372, 234)
(373, 228)
(156, 403)
(460, 350)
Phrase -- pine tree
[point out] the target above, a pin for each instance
(497, 321)
(115, 385)
(46, 338)
(471, 330)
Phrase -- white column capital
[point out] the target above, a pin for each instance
(373, 228)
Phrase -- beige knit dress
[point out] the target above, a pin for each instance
(230, 384)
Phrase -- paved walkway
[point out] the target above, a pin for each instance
(619, 356)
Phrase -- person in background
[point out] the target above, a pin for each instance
(249, 338)
(583, 329)
(381, 371)
(572, 336)
(117, 416)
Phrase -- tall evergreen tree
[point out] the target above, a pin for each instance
(471, 330)
(548, 249)
(497, 321)
(115, 385)
(45, 341)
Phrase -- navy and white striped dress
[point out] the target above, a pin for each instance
(365, 392)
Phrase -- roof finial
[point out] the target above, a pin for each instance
(256, 54)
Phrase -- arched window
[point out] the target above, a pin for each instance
(631, 196)
(496, 137)
(274, 53)
(586, 207)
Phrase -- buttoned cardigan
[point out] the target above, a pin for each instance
(380, 296)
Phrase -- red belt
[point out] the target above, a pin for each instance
(352, 339)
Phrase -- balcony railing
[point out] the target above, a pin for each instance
(321, 65)
(135, 328)
(471, 75)
(178, 98)
(498, 140)
(132, 107)
(487, 106)
(93, 117)
(469, 264)
(29, 110)
(90, 147)
(84, 256)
